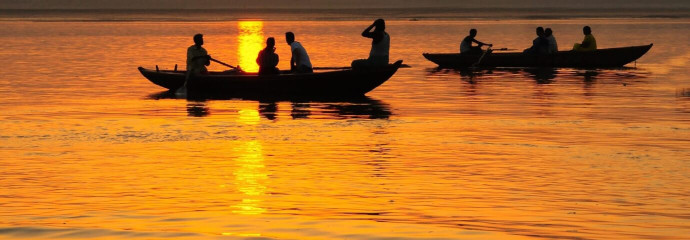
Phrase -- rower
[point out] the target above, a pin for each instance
(466, 44)
(299, 62)
(380, 46)
(268, 59)
(589, 43)
(197, 58)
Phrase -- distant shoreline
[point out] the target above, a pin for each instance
(278, 14)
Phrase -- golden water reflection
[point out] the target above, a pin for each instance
(250, 176)
(249, 42)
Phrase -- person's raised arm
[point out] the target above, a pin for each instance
(367, 32)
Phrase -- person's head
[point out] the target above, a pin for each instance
(586, 30)
(540, 31)
(199, 39)
(380, 25)
(289, 37)
(548, 32)
(270, 42)
(473, 32)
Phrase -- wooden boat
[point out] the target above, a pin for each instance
(601, 58)
(346, 82)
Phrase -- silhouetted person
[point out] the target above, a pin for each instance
(380, 46)
(197, 58)
(268, 59)
(299, 62)
(589, 43)
(553, 46)
(540, 45)
(466, 44)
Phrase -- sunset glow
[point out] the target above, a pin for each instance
(249, 42)
(100, 139)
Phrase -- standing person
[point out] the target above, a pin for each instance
(553, 46)
(299, 62)
(380, 45)
(589, 43)
(197, 57)
(540, 45)
(268, 59)
(466, 44)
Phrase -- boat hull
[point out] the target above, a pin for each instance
(346, 82)
(602, 58)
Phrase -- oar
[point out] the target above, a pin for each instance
(504, 49)
(482, 57)
(339, 68)
(224, 64)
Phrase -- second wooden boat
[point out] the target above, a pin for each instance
(601, 58)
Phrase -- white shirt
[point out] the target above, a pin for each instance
(303, 58)
(553, 46)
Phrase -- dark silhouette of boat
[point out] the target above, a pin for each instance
(601, 58)
(345, 82)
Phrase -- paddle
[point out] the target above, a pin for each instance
(339, 68)
(482, 57)
(224, 64)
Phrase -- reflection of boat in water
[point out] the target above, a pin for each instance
(347, 82)
(361, 107)
(540, 75)
(601, 58)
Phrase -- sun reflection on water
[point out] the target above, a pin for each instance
(249, 178)
(250, 42)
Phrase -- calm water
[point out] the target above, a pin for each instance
(91, 149)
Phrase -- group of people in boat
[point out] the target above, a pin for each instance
(544, 43)
(267, 59)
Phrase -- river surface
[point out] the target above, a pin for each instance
(91, 149)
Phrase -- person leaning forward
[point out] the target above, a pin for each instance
(466, 44)
(299, 62)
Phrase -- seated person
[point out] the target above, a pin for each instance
(553, 46)
(299, 62)
(268, 59)
(589, 43)
(380, 46)
(197, 57)
(466, 44)
(540, 45)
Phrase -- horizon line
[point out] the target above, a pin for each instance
(373, 8)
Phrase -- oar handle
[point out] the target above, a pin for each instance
(222, 63)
